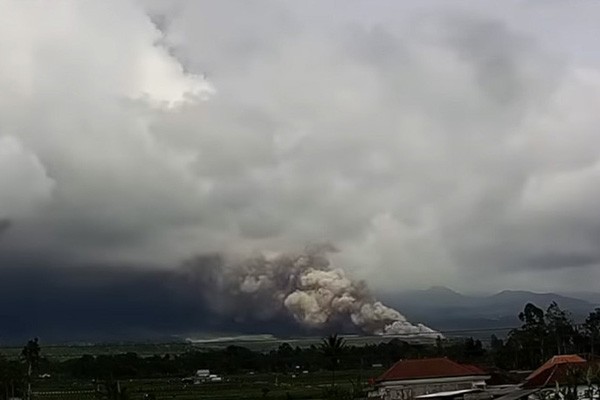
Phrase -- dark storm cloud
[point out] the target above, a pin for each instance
(431, 142)
(93, 303)
(284, 294)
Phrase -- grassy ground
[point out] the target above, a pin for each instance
(276, 386)
(248, 386)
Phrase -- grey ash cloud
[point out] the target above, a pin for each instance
(303, 286)
(432, 143)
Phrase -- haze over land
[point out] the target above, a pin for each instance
(111, 304)
(432, 142)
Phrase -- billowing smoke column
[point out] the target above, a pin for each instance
(305, 286)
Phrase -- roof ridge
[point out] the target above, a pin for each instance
(423, 368)
(556, 360)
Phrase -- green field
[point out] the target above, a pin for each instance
(298, 384)
(276, 386)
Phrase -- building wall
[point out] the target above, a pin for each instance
(400, 391)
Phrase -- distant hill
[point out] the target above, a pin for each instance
(447, 310)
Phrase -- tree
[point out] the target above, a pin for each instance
(10, 374)
(532, 316)
(592, 327)
(285, 357)
(331, 348)
(502, 355)
(530, 339)
(439, 346)
(30, 355)
(559, 327)
(496, 344)
(472, 349)
(12, 378)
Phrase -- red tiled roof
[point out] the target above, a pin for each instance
(559, 369)
(428, 368)
(556, 360)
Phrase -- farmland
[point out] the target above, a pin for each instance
(242, 386)
(304, 368)
(274, 370)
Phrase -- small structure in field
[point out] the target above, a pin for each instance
(202, 376)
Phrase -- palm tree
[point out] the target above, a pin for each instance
(331, 348)
(31, 356)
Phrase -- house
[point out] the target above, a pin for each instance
(559, 370)
(564, 377)
(412, 379)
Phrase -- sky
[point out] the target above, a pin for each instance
(450, 143)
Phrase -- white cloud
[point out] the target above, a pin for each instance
(24, 184)
(430, 142)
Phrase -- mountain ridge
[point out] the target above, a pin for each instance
(443, 308)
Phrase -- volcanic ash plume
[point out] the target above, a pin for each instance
(304, 285)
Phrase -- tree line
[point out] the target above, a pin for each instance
(543, 333)
(546, 333)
